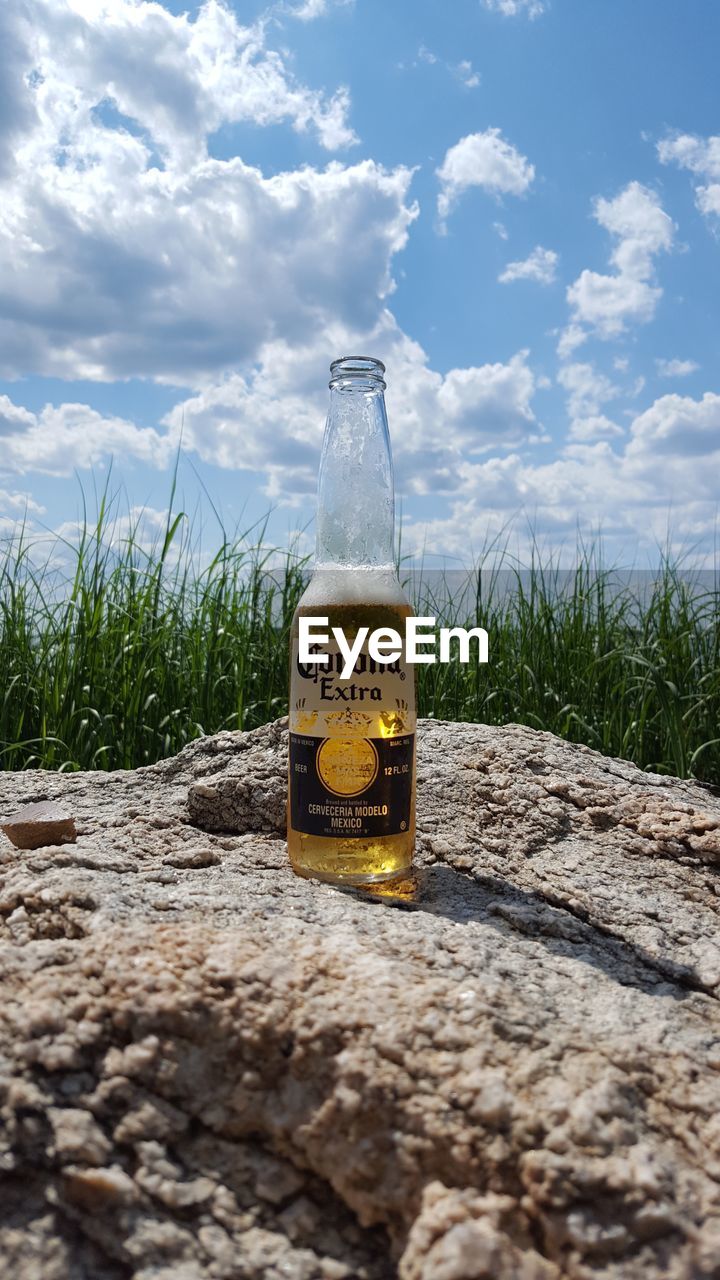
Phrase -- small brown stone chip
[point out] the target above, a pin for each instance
(39, 824)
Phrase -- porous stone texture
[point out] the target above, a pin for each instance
(211, 1069)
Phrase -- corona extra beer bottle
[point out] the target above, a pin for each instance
(351, 802)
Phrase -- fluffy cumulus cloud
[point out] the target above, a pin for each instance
(61, 438)
(177, 275)
(681, 428)
(537, 501)
(17, 109)
(126, 248)
(511, 8)
(621, 489)
(587, 389)
(484, 160)
(271, 420)
(571, 337)
(701, 156)
(178, 78)
(594, 426)
(540, 265)
(20, 505)
(606, 304)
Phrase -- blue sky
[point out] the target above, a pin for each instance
(514, 203)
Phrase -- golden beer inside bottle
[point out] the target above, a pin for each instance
(352, 728)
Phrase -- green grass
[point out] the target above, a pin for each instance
(633, 673)
(114, 653)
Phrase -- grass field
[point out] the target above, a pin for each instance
(114, 653)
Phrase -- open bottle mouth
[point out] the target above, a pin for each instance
(357, 373)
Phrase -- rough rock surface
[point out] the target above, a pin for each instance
(211, 1069)
(40, 824)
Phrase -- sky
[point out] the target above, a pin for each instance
(515, 204)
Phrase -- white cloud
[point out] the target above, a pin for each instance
(665, 471)
(180, 79)
(312, 9)
(143, 256)
(606, 304)
(17, 109)
(466, 74)
(511, 8)
(176, 275)
(700, 156)
(595, 427)
(572, 337)
(143, 526)
(663, 477)
(272, 421)
(59, 439)
(484, 160)
(587, 389)
(609, 303)
(126, 250)
(676, 368)
(554, 499)
(682, 429)
(708, 200)
(462, 71)
(642, 228)
(487, 405)
(541, 265)
(18, 504)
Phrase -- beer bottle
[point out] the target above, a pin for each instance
(351, 803)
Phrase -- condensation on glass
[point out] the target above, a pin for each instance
(351, 788)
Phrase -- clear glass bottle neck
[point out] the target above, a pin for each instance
(356, 502)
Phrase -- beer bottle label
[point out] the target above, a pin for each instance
(352, 745)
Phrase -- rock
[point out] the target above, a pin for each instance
(509, 1069)
(35, 825)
